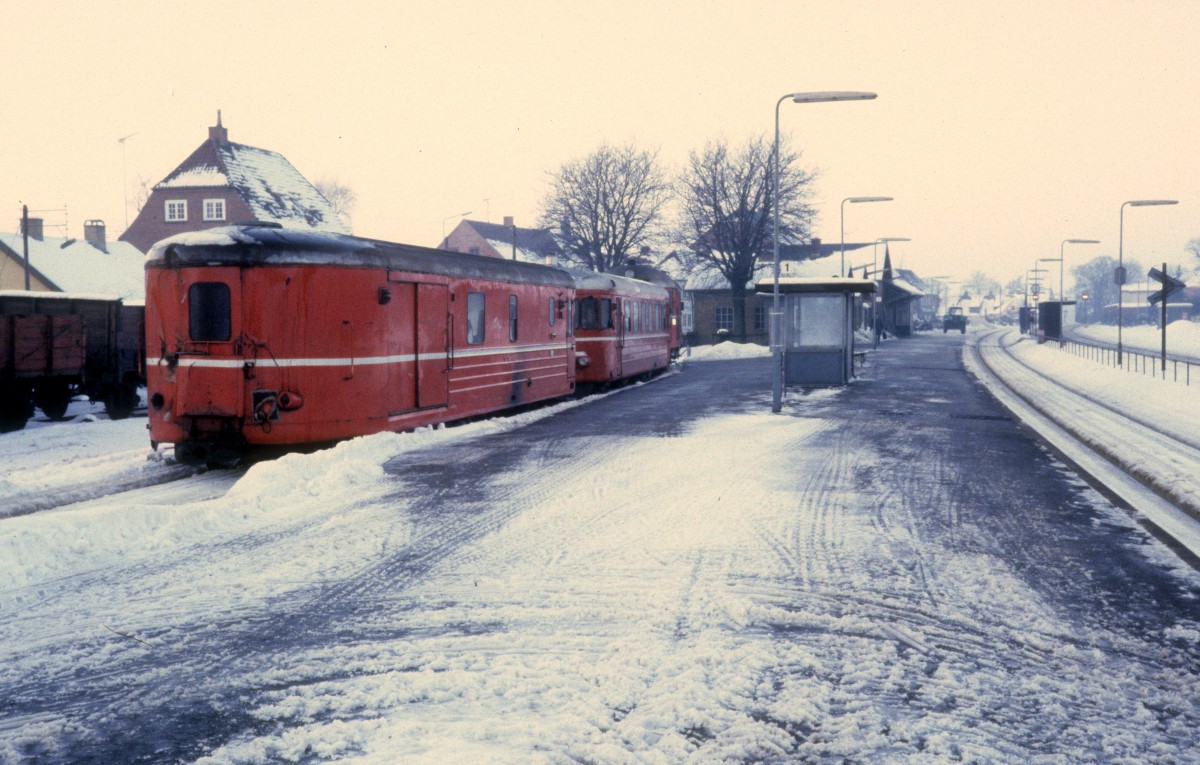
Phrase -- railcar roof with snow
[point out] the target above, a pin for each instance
(269, 246)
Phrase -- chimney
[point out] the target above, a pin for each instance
(508, 221)
(218, 133)
(93, 233)
(34, 228)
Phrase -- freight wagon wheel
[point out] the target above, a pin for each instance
(120, 402)
(53, 399)
(15, 408)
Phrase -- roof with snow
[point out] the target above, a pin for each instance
(798, 260)
(75, 265)
(271, 186)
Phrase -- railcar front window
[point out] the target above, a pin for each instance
(512, 318)
(475, 318)
(606, 314)
(587, 317)
(551, 312)
(209, 315)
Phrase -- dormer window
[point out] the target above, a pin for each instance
(176, 210)
(214, 209)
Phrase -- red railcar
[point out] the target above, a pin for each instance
(622, 328)
(260, 336)
(647, 273)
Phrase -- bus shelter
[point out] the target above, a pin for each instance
(816, 329)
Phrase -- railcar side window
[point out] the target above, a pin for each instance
(209, 317)
(512, 318)
(475, 318)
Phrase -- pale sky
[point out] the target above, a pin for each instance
(1001, 128)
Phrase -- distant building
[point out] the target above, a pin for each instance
(711, 300)
(223, 183)
(89, 265)
(503, 240)
(900, 296)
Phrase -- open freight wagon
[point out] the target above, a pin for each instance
(54, 346)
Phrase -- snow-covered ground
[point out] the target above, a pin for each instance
(609, 621)
(1183, 337)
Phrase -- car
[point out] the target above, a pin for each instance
(954, 319)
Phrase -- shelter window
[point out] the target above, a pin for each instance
(475, 318)
(209, 316)
(724, 317)
(214, 209)
(175, 210)
(512, 318)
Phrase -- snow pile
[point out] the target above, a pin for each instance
(727, 351)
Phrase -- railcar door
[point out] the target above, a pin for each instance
(433, 345)
(402, 348)
(621, 308)
(417, 346)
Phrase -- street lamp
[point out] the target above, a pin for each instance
(1120, 275)
(853, 200)
(776, 313)
(875, 270)
(1054, 260)
(1061, 259)
(1037, 280)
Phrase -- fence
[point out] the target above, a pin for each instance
(1178, 370)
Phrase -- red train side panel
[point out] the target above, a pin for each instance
(258, 336)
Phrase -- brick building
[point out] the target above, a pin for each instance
(711, 300)
(223, 183)
(503, 240)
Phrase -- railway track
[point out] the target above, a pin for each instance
(1152, 467)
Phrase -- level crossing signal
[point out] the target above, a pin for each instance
(1170, 284)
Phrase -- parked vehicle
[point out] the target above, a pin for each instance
(954, 319)
(55, 346)
(260, 336)
(622, 327)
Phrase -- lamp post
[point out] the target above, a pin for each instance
(1054, 260)
(1036, 279)
(776, 314)
(874, 271)
(1062, 256)
(853, 200)
(1120, 275)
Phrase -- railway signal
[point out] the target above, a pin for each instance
(1169, 284)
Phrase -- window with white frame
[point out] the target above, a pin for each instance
(760, 318)
(176, 210)
(724, 317)
(214, 209)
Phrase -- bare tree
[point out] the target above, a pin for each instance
(1193, 248)
(341, 198)
(1095, 278)
(728, 210)
(982, 285)
(604, 207)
